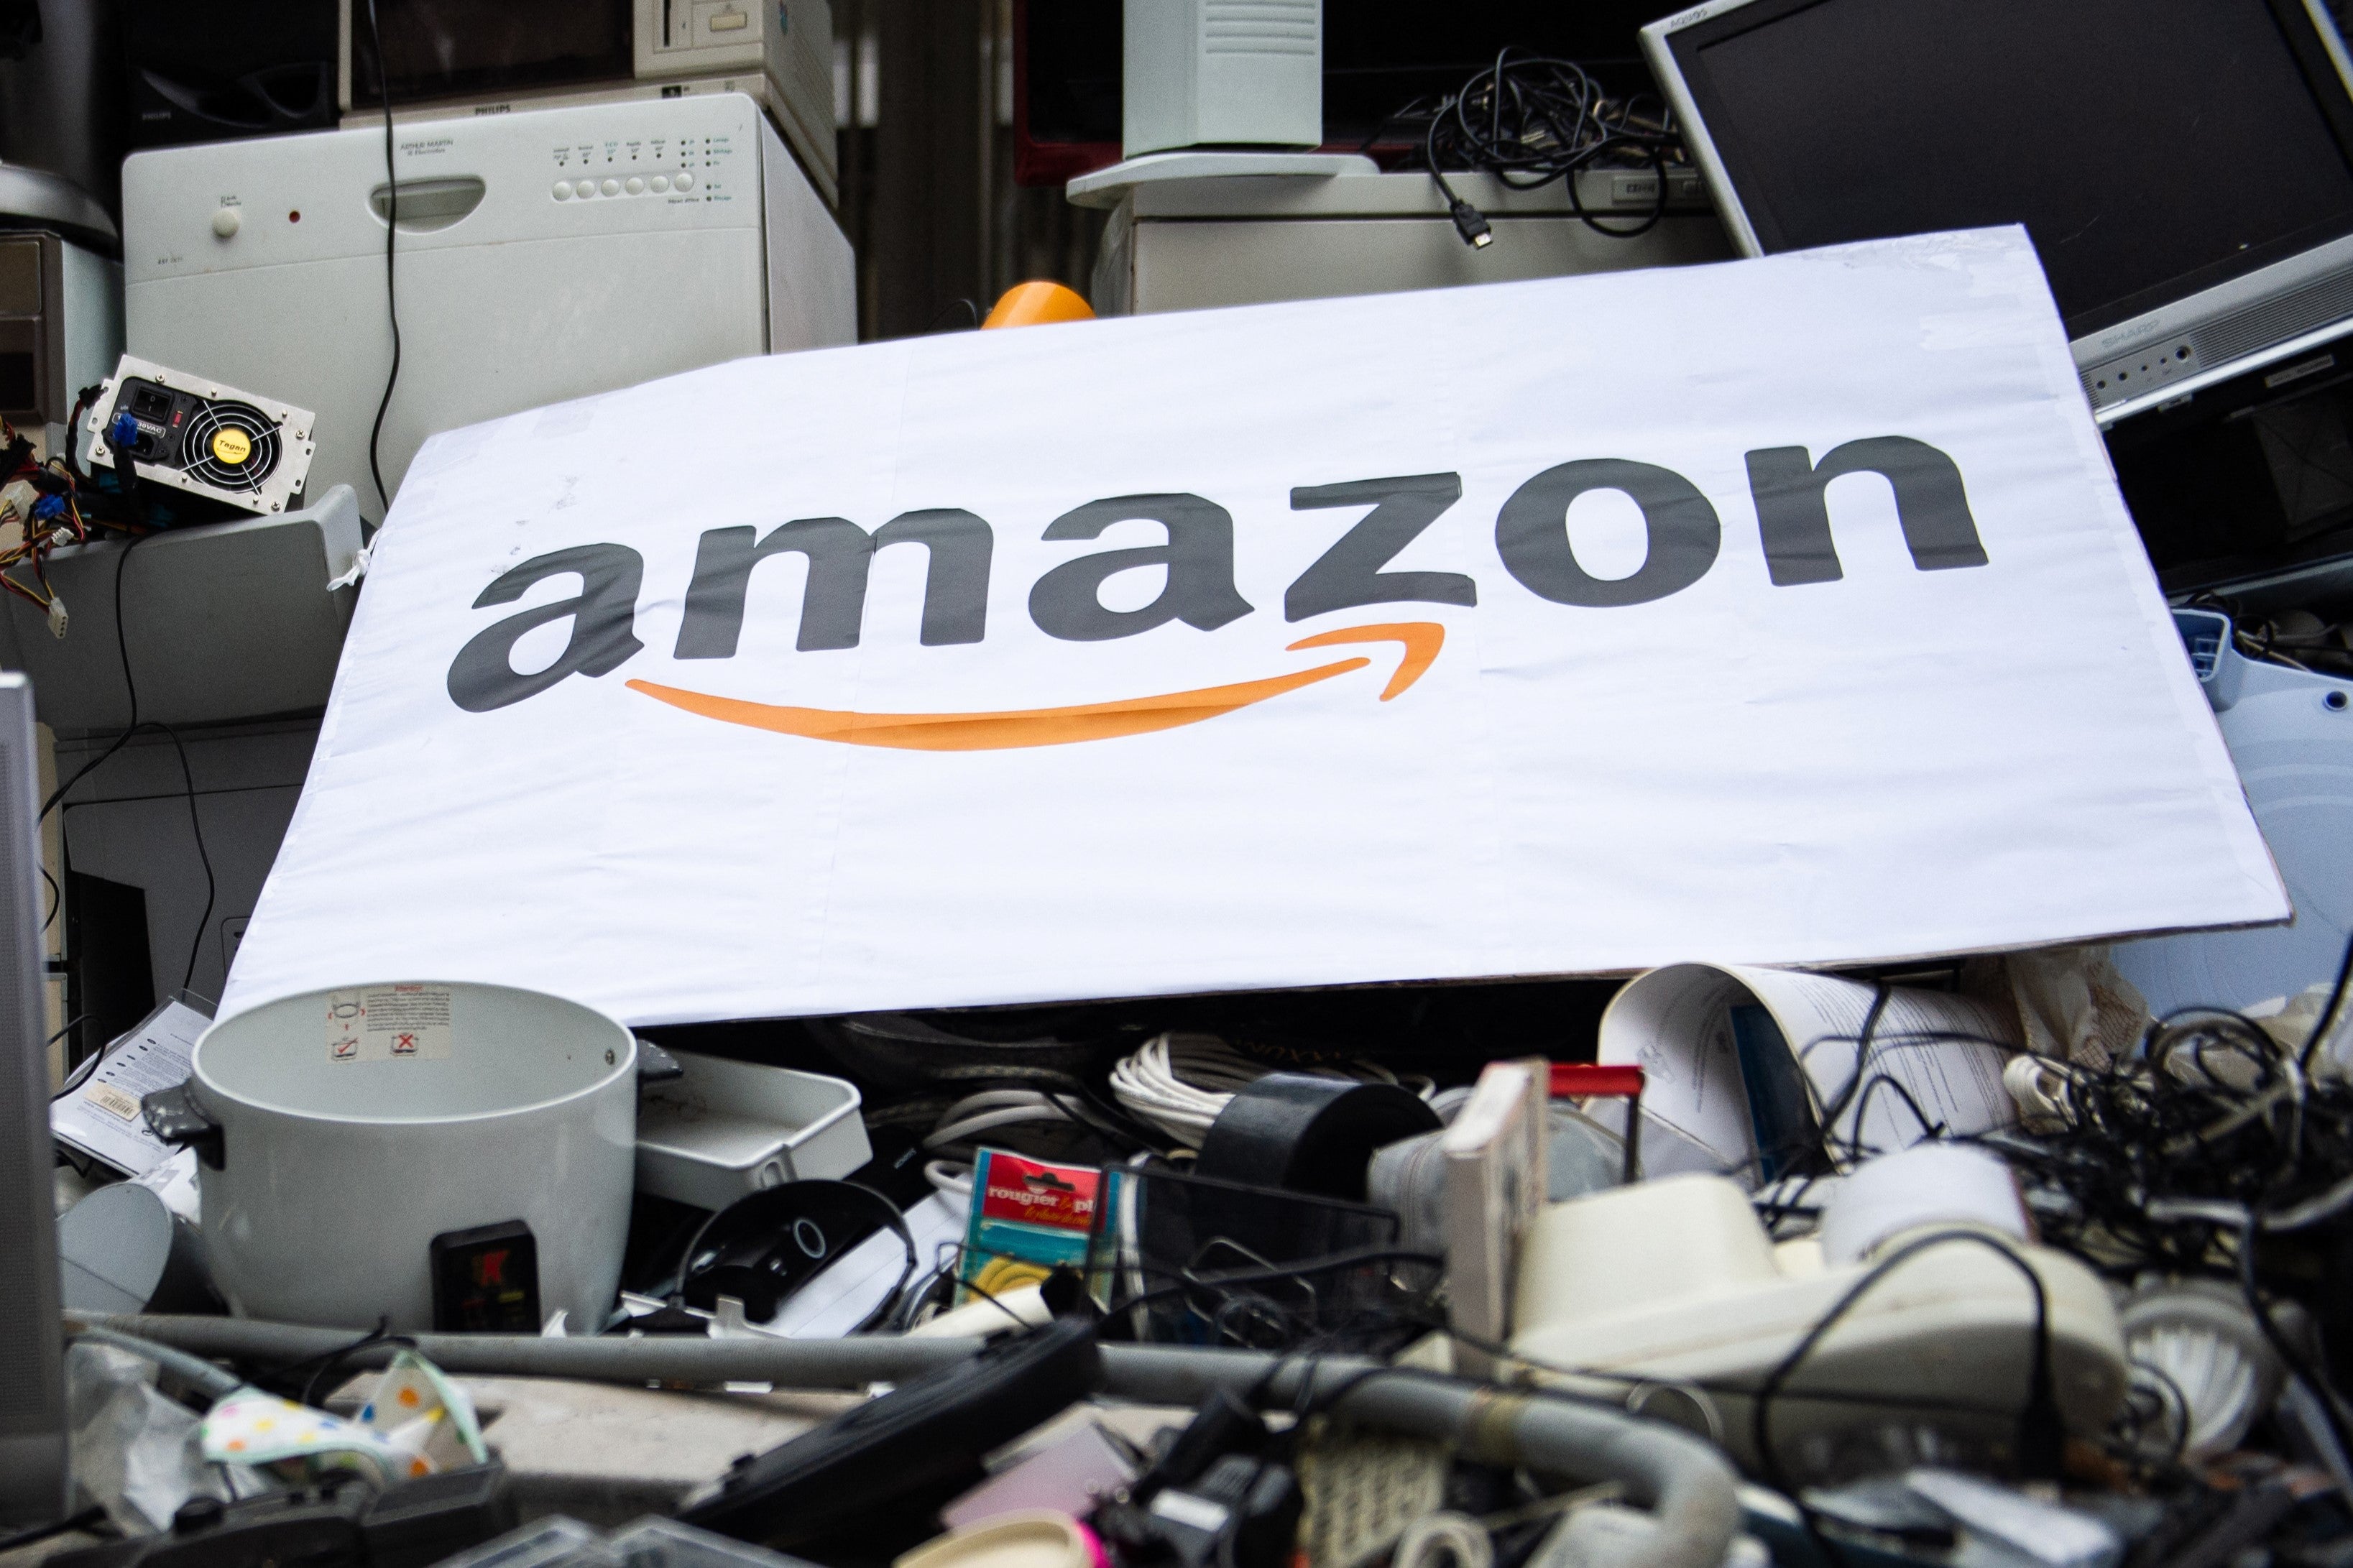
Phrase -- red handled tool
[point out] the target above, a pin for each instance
(1581, 1081)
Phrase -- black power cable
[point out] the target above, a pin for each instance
(391, 297)
(123, 651)
(40, 1532)
(187, 775)
(766, 1215)
(2304, 1373)
(2328, 1013)
(204, 857)
(1530, 120)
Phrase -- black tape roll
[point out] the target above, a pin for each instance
(1310, 1134)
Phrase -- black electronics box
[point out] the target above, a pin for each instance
(2247, 479)
(408, 1525)
(225, 71)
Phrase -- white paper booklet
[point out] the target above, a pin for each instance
(1744, 1065)
(101, 1118)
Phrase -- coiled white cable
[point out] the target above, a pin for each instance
(951, 1176)
(992, 1109)
(1181, 1082)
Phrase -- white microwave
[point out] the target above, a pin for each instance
(451, 57)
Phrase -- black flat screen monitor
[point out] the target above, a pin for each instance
(2185, 167)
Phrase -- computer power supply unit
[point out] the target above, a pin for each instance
(198, 436)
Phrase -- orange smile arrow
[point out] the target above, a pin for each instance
(1060, 726)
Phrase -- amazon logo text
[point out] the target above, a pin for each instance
(1682, 536)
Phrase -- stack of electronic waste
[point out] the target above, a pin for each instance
(2029, 1260)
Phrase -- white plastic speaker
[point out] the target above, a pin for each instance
(1221, 73)
(2290, 733)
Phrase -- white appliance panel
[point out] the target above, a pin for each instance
(812, 272)
(575, 317)
(514, 291)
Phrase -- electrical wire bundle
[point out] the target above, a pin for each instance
(1044, 1119)
(42, 501)
(1179, 1083)
(1529, 120)
(2167, 1155)
(2189, 1156)
(53, 507)
(2297, 638)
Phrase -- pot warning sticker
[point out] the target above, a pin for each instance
(388, 1023)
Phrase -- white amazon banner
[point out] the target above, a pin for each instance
(1777, 611)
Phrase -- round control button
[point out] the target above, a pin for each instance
(661, 181)
(636, 187)
(584, 189)
(685, 182)
(562, 190)
(611, 187)
(225, 221)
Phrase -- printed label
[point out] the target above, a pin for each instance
(113, 1101)
(388, 1023)
(1034, 1193)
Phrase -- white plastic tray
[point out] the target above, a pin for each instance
(728, 1128)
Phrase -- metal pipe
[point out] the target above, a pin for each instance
(656, 1358)
(1687, 1484)
(193, 1370)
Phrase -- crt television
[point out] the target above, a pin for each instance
(2185, 167)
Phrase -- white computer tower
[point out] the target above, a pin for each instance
(541, 256)
(1221, 73)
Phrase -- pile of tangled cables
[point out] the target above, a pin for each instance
(41, 509)
(1530, 120)
(2217, 1141)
